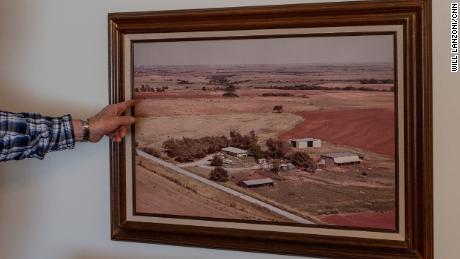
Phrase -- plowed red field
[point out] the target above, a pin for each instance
(368, 129)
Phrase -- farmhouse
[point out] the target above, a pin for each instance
(257, 182)
(236, 152)
(305, 142)
(341, 158)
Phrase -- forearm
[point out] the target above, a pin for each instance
(24, 135)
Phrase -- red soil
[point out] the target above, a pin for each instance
(385, 220)
(369, 129)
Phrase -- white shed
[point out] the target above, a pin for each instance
(287, 166)
(305, 142)
(261, 161)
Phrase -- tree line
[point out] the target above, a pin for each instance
(190, 149)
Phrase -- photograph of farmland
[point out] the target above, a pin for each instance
(294, 130)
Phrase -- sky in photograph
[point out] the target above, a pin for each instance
(337, 49)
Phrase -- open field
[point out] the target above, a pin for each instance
(266, 125)
(326, 192)
(339, 118)
(190, 104)
(265, 75)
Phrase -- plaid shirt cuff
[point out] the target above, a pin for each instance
(63, 131)
(30, 135)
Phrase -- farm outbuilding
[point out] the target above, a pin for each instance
(257, 182)
(261, 161)
(305, 142)
(236, 152)
(341, 158)
(321, 163)
(227, 161)
(286, 166)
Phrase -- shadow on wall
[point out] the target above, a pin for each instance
(23, 101)
(13, 184)
(13, 48)
(21, 181)
(27, 83)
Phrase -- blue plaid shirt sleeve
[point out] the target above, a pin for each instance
(31, 135)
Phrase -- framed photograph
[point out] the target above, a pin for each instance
(293, 129)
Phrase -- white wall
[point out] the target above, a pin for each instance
(446, 106)
(53, 60)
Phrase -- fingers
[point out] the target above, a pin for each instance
(115, 137)
(119, 134)
(123, 106)
(125, 120)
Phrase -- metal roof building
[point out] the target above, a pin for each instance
(342, 158)
(233, 151)
(258, 182)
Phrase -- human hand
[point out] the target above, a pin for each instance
(108, 122)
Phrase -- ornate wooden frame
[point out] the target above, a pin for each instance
(413, 15)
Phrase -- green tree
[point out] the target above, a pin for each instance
(278, 108)
(303, 160)
(219, 174)
(256, 151)
(217, 161)
(277, 148)
(276, 166)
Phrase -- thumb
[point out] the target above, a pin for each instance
(125, 120)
